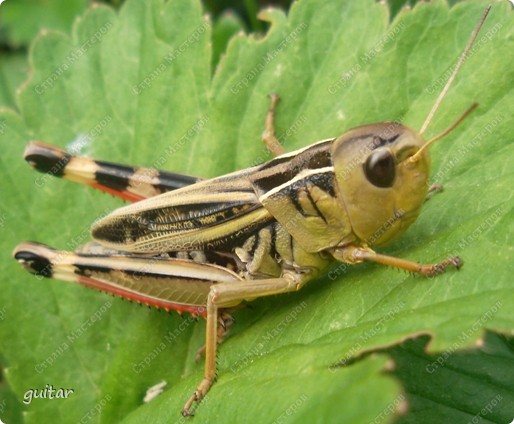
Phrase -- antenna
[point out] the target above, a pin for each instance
(425, 146)
(460, 62)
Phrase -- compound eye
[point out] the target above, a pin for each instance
(380, 168)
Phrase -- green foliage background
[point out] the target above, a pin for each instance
(405, 349)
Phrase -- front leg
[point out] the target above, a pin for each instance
(433, 190)
(355, 254)
(225, 295)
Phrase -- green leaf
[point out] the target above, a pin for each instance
(137, 87)
(13, 71)
(224, 28)
(479, 376)
(21, 20)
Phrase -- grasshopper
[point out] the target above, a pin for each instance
(206, 246)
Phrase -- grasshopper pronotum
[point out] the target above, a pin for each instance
(205, 246)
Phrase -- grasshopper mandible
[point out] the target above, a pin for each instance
(205, 246)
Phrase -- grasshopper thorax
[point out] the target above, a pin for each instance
(381, 189)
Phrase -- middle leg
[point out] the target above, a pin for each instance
(269, 136)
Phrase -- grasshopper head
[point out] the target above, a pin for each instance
(382, 189)
(382, 169)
